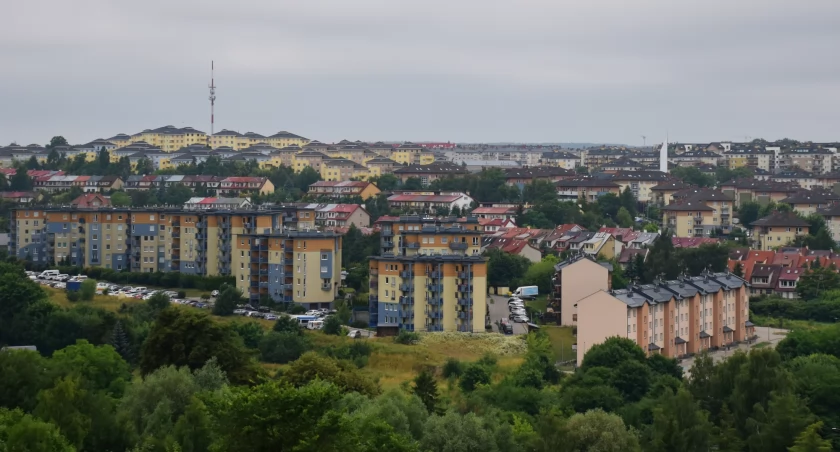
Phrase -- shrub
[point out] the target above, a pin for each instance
(474, 376)
(296, 309)
(182, 294)
(282, 348)
(73, 296)
(452, 368)
(88, 290)
(488, 360)
(407, 338)
(286, 324)
(332, 326)
(356, 352)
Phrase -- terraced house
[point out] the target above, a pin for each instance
(673, 318)
(428, 276)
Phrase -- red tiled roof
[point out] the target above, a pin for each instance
(493, 210)
(243, 179)
(424, 198)
(692, 242)
(791, 274)
(17, 194)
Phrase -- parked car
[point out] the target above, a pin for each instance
(239, 311)
(214, 293)
(270, 317)
(521, 319)
(264, 309)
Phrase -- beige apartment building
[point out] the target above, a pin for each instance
(428, 276)
(688, 219)
(673, 318)
(577, 278)
(777, 229)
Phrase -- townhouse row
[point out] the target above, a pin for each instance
(673, 318)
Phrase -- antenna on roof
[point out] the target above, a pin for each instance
(212, 87)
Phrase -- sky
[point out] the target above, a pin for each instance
(603, 71)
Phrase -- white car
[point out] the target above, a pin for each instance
(521, 319)
(102, 286)
(239, 311)
(214, 293)
(270, 317)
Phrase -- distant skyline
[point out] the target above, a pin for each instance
(603, 71)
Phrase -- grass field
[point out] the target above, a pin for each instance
(539, 304)
(561, 341)
(391, 363)
(787, 324)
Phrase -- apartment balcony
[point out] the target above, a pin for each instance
(176, 224)
(407, 300)
(465, 275)
(201, 224)
(435, 274)
(460, 246)
(413, 246)
(81, 230)
(263, 271)
(200, 236)
(434, 301)
(374, 282)
(465, 301)
(406, 274)
(288, 261)
(407, 287)
(407, 314)
(175, 245)
(464, 315)
(387, 232)
(434, 288)
(434, 328)
(698, 220)
(387, 244)
(466, 288)
(434, 314)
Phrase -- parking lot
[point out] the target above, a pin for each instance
(498, 307)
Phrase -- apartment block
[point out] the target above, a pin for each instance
(673, 318)
(344, 189)
(428, 276)
(299, 266)
(688, 219)
(777, 230)
(574, 279)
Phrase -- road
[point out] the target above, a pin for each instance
(765, 334)
(498, 308)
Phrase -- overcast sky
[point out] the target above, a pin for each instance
(453, 70)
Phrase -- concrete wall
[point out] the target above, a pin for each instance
(600, 316)
(578, 280)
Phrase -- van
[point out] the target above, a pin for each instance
(303, 320)
(527, 292)
(48, 274)
(315, 325)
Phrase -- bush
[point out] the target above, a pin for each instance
(356, 352)
(452, 368)
(73, 296)
(286, 324)
(407, 338)
(88, 290)
(227, 300)
(182, 294)
(474, 376)
(296, 309)
(488, 360)
(332, 326)
(282, 348)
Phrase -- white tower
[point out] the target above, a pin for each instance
(663, 156)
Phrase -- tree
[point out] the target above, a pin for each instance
(811, 441)
(63, 405)
(628, 201)
(187, 338)
(22, 432)
(679, 424)
(342, 374)
(120, 199)
(425, 387)
(250, 332)
(623, 218)
(738, 270)
(816, 281)
(282, 348)
(692, 175)
(821, 241)
(227, 300)
(613, 352)
(412, 183)
(776, 427)
(505, 269)
(662, 260)
(20, 181)
(474, 375)
(540, 274)
(748, 212)
(598, 431)
(87, 290)
(287, 324)
(23, 374)
(332, 325)
(286, 417)
(100, 367)
(57, 141)
(452, 432)
(145, 166)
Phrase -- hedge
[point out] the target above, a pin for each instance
(817, 310)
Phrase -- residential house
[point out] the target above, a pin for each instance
(588, 188)
(343, 189)
(91, 200)
(421, 202)
(430, 172)
(777, 229)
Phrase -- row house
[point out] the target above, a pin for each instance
(339, 215)
(242, 185)
(760, 191)
(675, 318)
(343, 189)
(342, 169)
(560, 159)
(429, 202)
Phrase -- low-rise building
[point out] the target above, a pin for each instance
(429, 173)
(587, 188)
(777, 229)
(343, 189)
(429, 202)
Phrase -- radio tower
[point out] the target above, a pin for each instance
(212, 98)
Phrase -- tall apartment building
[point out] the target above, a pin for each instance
(429, 276)
(299, 266)
(674, 318)
(144, 239)
(576, 278)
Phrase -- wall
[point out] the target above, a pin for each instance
(580, 279)
(600, 316)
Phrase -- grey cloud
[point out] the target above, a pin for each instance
(466, 70)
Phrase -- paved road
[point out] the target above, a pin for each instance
(765, 334)
(498, 307)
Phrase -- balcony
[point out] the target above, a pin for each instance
(176, 224)
(387, 244)
(465, 275)
(433, 328)
(413, 246)
(176, 235)
(326, 286)
(463, 315)
(407, 287)
(199, 236)
(434, 314)
(698, 220)
(407, 314)
(434, 301)
(434, 288)
(175, 245)
(387, 232)
(201, 224)
(288, 261)
(263, 271)
(407, 300)
(458, 246)
(465, 288)
(435, 274)
(465, 301)
(406, 274)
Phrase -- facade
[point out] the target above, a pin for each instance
(588, 188)
(428, 276)
(429, 173)
(429, 202)
(689, 219)
(344, 189)
(777, 230)
(577, 278)
(673, 318)
(170, 138)
(299, 266)
(342, 169)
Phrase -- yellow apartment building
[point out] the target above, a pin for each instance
(777, 229)
(312, 159)
(429, 276)
(171, 138)
(300, 267)
(688, 219)
(341, 169)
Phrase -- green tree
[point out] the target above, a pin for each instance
(679, 424)
(287, 324)
(88, 290)
(23, 374)
(598, 431)
(229, 297)
(412, 183)
(56, 141)
(613, 352)
(811, 441)
(474, 375)
(120, 199)
(63, 406)
(250, 332)
(332, 326)
(821, 241)
(282, 348)
(738, 270)
(20, 181)
(816, 281)
(187, 338)
(343, 374)
(777, 427)
(540, 274)
(662, 260)
(99, 366)
(505, 269)
(22, 432)
(692, 175)
(623, 218)
(425, 387)
(452, 432)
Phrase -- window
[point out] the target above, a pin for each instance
(324, 256)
